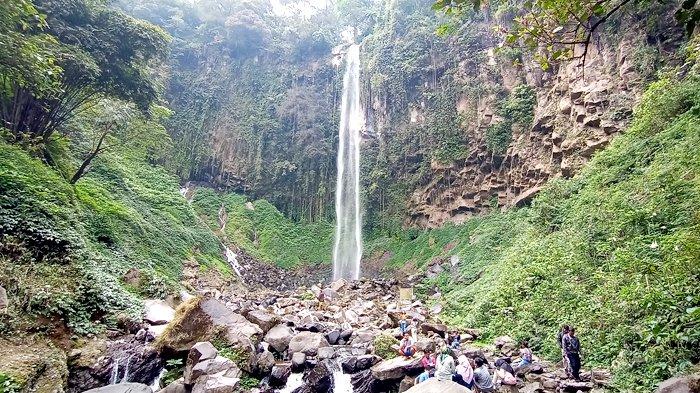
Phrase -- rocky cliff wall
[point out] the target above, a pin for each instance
(578, 110)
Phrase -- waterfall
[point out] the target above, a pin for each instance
(347, 250)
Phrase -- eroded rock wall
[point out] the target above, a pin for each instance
(578, 111)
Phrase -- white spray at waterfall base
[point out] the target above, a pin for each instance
(347, 250)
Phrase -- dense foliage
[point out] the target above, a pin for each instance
(612, 251)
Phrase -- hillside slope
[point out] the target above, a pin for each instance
(613, 251)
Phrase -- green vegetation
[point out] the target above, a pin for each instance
(69, 245)
(383, 346)
(612, 251)
(264, 232)
(517, 109)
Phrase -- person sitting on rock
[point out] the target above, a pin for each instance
(572, 348)
(455, 340)
(525, 354)
(407, 347)
(428, 361)
(445, 366)
(482, 379)
(504, 376)
(464, 372)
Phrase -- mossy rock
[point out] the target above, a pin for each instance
(33, 366)
(384, 346)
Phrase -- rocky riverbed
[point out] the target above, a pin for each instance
(289, 341)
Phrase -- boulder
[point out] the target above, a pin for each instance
(574, 387)
(279, 375)
(218, 365)
(333, 336)
(308, 343)
(265, 320)
(682, 384)
(326, 353)
(320, 378)
(93, 364)
(122, 388)
(395, 368)
(279, 337)
(132, 277)
(200, 352)
(298, 361)
(363, 336)
(432, 385)
(339, 284)
(158, 312)
(202, 319)
(216, 383)
(356, 364)
(406, 383)
(175, 387)
(345, 335)
(264, 361)
(437, 328)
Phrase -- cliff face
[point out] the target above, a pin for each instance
(576, 111)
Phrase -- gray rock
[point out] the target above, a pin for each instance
(218, 365)
(308, 343)
(200, 352)
(279, 337)
(395, 368)
(333, 336)
(298, 361)
(175, 387)
(265, 320)
(682, 384)
(432, 385)
(217, 383)
(356, 364)
(264, 362)
(158, 312)
(326, 353)
(320, 378)
(122, 388)
(279, 375)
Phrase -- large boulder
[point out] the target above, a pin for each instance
(354, 364)
(264, 361)
(682, 384)
(437, 328)
(122, 388)
(216, 366)
(216, 383)
(279, 375)
(320, 378)
(298, 361)
(264, 319)
(395, 368)
(158, 312)
(200, 352)
(93, 364)
(279, 337)
(432, 385)
(307, 343)
(203, 319)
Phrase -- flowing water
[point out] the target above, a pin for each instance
(347, 250)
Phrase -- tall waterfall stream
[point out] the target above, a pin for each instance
(347, 250)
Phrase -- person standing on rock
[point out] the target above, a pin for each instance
(560, 342)
(572, 347)
(482, 378)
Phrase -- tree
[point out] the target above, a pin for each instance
(111, 124)
(557, 27)
(99, 52)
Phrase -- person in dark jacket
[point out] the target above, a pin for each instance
(572, 348)
(560, 342)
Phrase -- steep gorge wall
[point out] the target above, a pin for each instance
(575, 112)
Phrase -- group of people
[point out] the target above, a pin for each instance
(471, 373)
(474, 373)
